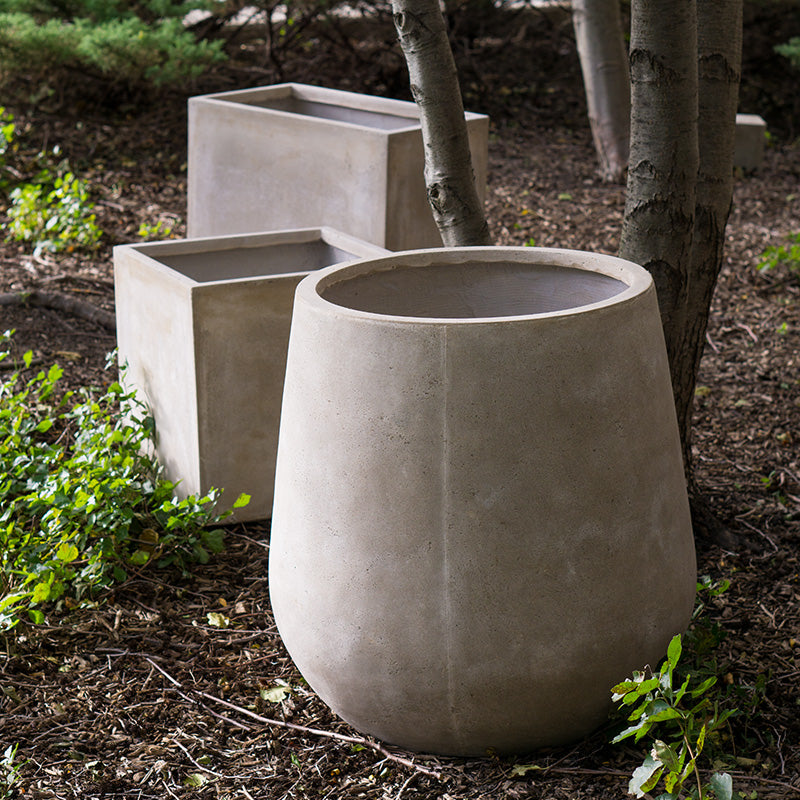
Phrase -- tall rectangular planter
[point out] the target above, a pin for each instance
(292, 155)
(203, 326)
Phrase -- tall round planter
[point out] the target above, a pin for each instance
(480, 520)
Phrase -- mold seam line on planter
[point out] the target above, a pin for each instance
(445, 523)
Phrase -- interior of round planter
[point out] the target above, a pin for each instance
(473, 289)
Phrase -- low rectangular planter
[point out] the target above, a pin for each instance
(203, 325)
(292, 155)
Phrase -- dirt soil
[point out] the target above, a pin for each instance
(142, 697)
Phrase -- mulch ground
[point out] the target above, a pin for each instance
(147, 696)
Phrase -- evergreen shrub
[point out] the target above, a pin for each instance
(126, 42)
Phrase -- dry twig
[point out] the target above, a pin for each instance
(359, 740)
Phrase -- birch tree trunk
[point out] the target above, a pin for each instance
(449, 177)
(659, 216)
(719, 27)
(606, 80)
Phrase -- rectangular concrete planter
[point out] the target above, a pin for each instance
(292, 155)
(203, 326)
(751, 139)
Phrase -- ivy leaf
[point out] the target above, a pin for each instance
(277, 694)
(200, 554)
(214, 540)
(722, 785)
(701, 740)
(520, 770)
(242, 500)
(139, 558)
(41, 592)
(217, 620)
(645, 777)
(664, 714)
(639, 730)
(67, 552)
(666, 755)
(674, 651)
(148, 539)
(621, 689)
(704, 686)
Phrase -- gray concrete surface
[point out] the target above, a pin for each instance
(751, 139)
(203, 326)
(480, 519)
(291, 155)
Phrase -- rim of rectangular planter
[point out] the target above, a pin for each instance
(187, 260)
(368, 112)
(203, 325)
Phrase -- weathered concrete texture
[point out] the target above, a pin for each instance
(291, 155)
(203, 326)
(480, 519)
(751, 139)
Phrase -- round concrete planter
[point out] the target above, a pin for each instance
(480, 520)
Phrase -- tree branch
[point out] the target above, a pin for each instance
(60, 302)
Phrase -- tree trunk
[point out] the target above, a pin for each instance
(662, 174)
(719, 29)
(449, 177)
(606, 80)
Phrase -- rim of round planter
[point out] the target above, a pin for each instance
(471, 285)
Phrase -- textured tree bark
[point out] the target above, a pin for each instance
(449, 177)
(606, 80)
(680, 178)
(719, 27)
(662, 174)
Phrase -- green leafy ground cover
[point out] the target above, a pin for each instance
(82, 500)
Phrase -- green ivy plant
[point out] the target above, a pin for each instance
(7, 129)
(790, 50)
(788, 255)
(9, 772)
(684, 716)
(161, 230)
(54, 219)
(82, 498)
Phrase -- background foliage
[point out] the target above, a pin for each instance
(124, 42)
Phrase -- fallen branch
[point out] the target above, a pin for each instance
(743, 776)
(359, 740)
(18, 365)
(60, 302)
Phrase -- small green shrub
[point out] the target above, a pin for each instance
(161, 230)
(790, 50)
(82, 501)
(685, 716)
(787, 255)
(7, 129)
(9, 772)
(54, 219)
